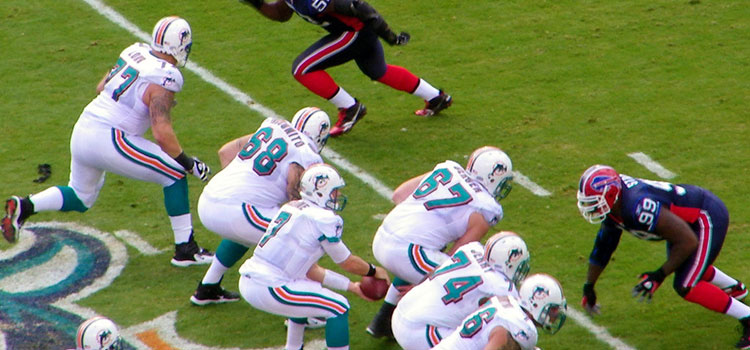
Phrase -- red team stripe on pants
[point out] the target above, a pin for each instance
(700, 263)
(324, 52)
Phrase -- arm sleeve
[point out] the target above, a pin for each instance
(605, 244)
(330, 239)
(365, 13)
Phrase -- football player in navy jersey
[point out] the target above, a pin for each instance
(353, 30)
(691, 219)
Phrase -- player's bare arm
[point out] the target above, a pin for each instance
(277, 11)
(292, 181)
(500, 339)
(100, 86)
(159, 101)
(404, 190)
(475, 230)
(677, 232)
(358, 266)
(229, 150)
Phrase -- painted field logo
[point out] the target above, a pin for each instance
(41, 277)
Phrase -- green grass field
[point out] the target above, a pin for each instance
(558, 85)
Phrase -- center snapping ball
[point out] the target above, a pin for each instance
(373, 288)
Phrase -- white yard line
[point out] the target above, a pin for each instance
(334, 157)
(650, 164)
(135, 241)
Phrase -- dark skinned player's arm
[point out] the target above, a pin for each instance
(277, 11)
(677, 232)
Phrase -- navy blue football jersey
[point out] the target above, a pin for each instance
(642, 200)
(314, 11)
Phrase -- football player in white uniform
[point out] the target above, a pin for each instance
(434, 308)
(137, 93)
(507, 323)
(283, 277)
(447, 205)
(262, 172)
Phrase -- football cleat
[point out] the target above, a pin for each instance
(212, 294)
(312, 322)
(435, 105)
(189, 253)
(347, 118)
(744, 342)
(380, 326)
(737, 291)
(14, 218)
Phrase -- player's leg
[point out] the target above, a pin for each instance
(413, 335)
(309, 69)
(689, 282)
(299, 300)
(241, 226)
(86, 180)
(141, 159)
(371, 61)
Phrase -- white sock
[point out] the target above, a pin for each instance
(182, 226)
(295, 334)
(737, 309)
(722, 280)
(392, 297)
(426, 91)
(339, 348)
(342, 99)
(49, 199)
(215, 272)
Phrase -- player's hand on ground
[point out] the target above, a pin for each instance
(200, 169)
(589, 300)
(650, 282)
(354, 287)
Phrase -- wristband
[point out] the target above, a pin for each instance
(185, 161)
(372, 271)
(335, 280)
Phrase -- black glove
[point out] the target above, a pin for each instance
(200, 169)
(254, 3)
(650, 282)
(392, 39)
(589, 299)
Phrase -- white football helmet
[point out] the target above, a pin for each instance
(507, 253)
(320, 184)
(172, 36)
(493, 168)
(315, 123)
(98, 333)
(542, 297)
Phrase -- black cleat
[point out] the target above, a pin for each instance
(435, 105)
(213, 294)
(189, 253)
(347, 118)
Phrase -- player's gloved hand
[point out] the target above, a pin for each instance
(589, 299)
(650, 282)
(200, 169)
(393, 39)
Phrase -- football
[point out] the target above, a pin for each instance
(373, 288)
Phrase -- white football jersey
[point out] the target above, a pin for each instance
(120, 104)
(438, 211)
(296, 239)
(454, 289)
(258, 174)
(474, 331)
